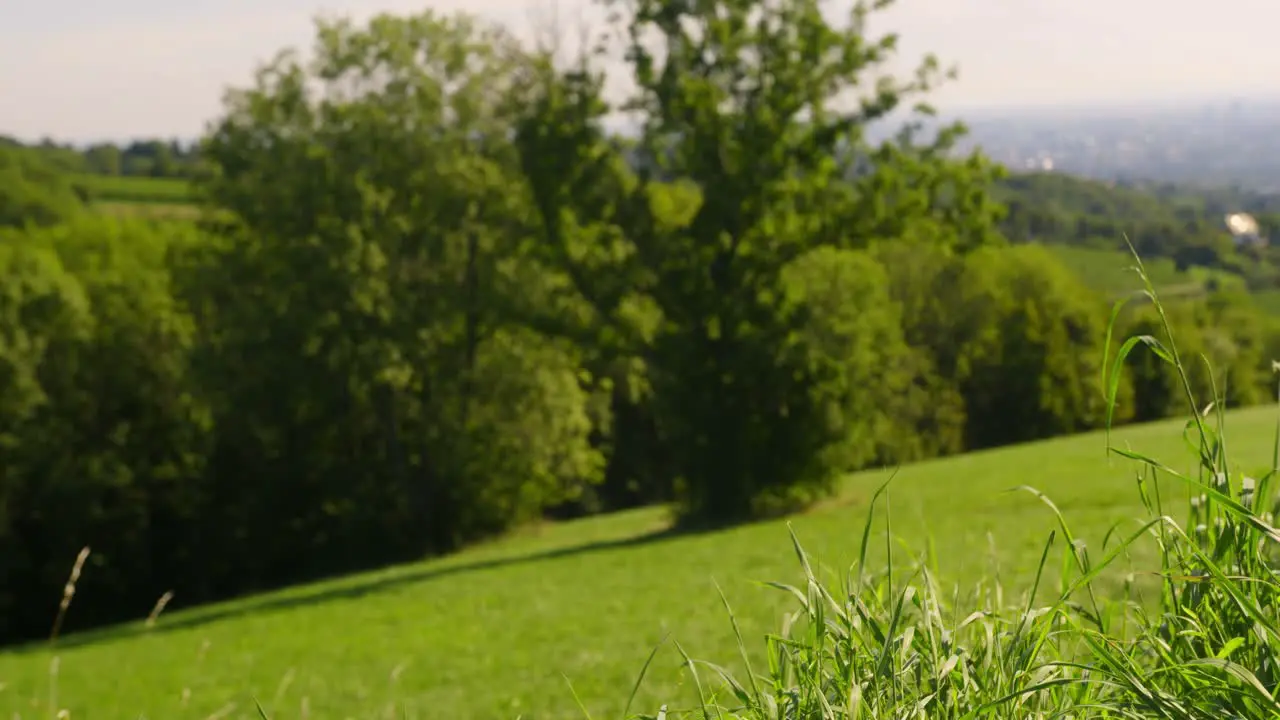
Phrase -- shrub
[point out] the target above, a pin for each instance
(1224, 340)
(34, 191)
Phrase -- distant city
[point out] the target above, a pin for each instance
(1230, 143)
(1227, 143)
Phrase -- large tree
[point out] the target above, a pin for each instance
(760, 110)
(365, 352)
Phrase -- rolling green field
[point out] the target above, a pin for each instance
(137, 190)
(138, 195)
(1109, 271)
(495, 631)
(142, 197)
(156, 211)
(1268, 300)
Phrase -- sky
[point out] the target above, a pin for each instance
(84, 70)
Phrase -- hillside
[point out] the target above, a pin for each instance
(137, 190)
(1178, 231)
(1111, 272)
(127, 196)
(1159, 219)
(495, 631)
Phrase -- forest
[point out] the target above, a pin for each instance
(427, 297)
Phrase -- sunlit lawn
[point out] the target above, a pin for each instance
(494, 632)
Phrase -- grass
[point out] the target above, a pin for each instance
(130, 189)
(494, 632)
(1107, 271)
(154, 211)
(153, 198)
(1268, 300)
(142, 197)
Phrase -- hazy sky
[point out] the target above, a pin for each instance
(88, 69)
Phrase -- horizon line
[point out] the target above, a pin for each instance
(1101, 109)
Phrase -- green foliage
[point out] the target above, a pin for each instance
(386, 253)
(153, 158)
(1057, 208)
(44, 321)
(929, 412)
(1029, 347)
(822, 408)
(1008, 343)
(738, 102)
(34, 191)
(107, 443)
(1226, 343)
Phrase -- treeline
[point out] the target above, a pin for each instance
(441, 300)
(152, 157)
(35, 191)
(1160, 220)
(40, 190)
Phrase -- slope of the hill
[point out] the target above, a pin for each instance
(1111, 272)
(495, 631)
(1061, 208)
(1179, 232)
(124, 195)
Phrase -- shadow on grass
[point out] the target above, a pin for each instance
(374, 580)
(346, 590)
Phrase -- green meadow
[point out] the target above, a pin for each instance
(1110, 272)
(136, 190)
(521, 626)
